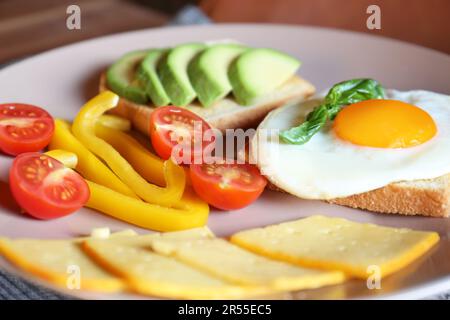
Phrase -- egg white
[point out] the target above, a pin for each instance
(327, 167)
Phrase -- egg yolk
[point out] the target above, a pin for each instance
(384, 124)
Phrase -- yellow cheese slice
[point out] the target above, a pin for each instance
(145, 240)
(60, 261)
(152, 274)
(224, 260)
(338, 244)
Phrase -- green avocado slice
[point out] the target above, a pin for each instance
(208, 72)
(260, 71)
(173, 74)
(121, 77)
(148, 76)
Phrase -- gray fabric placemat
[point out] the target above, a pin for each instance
(14, 288)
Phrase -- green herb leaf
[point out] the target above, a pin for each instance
(341, 94)
(303, 133)
(352, 91)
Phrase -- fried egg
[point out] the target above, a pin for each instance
(369, 144)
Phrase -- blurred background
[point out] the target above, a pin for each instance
(28, 27)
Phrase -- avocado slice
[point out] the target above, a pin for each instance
(173, 74)
(148, 77)
(208, 72)
(258, 72)
(121, 77)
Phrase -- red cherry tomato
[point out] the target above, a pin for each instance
(24, 128)
(173, 127)
(227, 186)
(44, 188)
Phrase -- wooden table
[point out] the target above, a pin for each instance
(425, 22)
(28, 27)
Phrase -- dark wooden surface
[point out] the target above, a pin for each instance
(28, 27)
(425, 22)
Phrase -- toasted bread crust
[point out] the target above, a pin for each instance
(405, 198)
(226, 114)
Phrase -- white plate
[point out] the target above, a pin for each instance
(61, 80)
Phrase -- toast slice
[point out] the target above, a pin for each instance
(225, 114)
(419, 197)
(429, 198)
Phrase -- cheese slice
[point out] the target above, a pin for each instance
(145, 240)
(152, 274)
(195, 233)
(338, 244)
(224, 260)
(61, 261)
(102, 233)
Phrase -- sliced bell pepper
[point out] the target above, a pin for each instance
(69, 159)
(189, 212)
(89, 166)
(148, 165)
(83, 128)
(115, 122)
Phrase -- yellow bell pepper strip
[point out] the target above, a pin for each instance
(69, 159)
(189, 212)
(115, 122)
(83, 128)
(148, 165)
(89, 166)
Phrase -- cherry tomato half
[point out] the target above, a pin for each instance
(44, 188)
(24, 128)
(227, 186)
(173, 127)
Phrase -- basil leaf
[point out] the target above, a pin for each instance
(341, 94)
(352, 91)
(301, 134)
